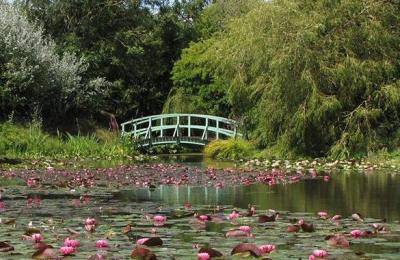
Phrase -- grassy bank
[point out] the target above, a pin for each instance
(32, 142)
(240, 149)
(236, 149)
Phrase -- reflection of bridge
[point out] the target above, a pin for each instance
(179, 129)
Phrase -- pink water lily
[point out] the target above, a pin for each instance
(159, 220)
(67, 250)
(36, 200)
(360, 234)
(246, 229)
(37, 237)
(90, 221)
(318, 253)
(31, 182)
(90, 228)
(2, 205)
(336, 217)
(203, 256)
(71, 243)
(313, 173)
(203, 217)
(266, 249)
(377, 225)
(323, 215)
(356, 233)
(141, 241)
(90, 224)
(233, 215)
(102, 243)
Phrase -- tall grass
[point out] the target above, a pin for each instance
(229, 149)
(32, 142)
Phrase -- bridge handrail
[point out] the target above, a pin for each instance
(226, 132)
(162, 116)
(148, 129)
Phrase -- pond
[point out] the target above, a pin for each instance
(375, 194)
(124, 213)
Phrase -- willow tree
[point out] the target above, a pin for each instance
(315, 77)
(196, 87)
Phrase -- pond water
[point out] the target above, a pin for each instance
(60, 213)
(375, 194)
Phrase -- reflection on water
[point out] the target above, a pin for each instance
(196, 160)
(375, 195)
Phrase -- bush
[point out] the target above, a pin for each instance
(33, 77)
(232, 149)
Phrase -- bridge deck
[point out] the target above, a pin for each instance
(179, 129)
(173, 140)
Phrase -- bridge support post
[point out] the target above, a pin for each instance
(217, 133)
(149, 132)
(177, 132)
(162, 130)
(189, 129)
(205, 133)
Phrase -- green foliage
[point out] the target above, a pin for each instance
(312, 78)
(233, 149)
(197, 89)
(33, 77)
(303, 77)
(32, 142)
(133, 44)
(7, 182)
(217, 16)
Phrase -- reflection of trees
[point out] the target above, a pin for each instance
(375, 195)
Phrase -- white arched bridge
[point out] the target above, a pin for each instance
(179, 129)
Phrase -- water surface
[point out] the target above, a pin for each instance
(373, 193)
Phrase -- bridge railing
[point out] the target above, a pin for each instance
(162, 125)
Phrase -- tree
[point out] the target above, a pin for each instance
(196, 87)
(319, 77)
(133, 44)
(34, 78)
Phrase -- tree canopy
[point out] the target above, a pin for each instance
(132, 44)
(308, 77)
(303, 77)
(34, 78)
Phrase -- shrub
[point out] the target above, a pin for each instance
(33, 77)
(32, 142)
(229, 149)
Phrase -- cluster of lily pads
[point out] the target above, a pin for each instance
(63, 214)
(321, 164)
(91, 224)
(74, 213)
(153, 175)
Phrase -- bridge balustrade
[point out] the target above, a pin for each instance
(179, 128)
